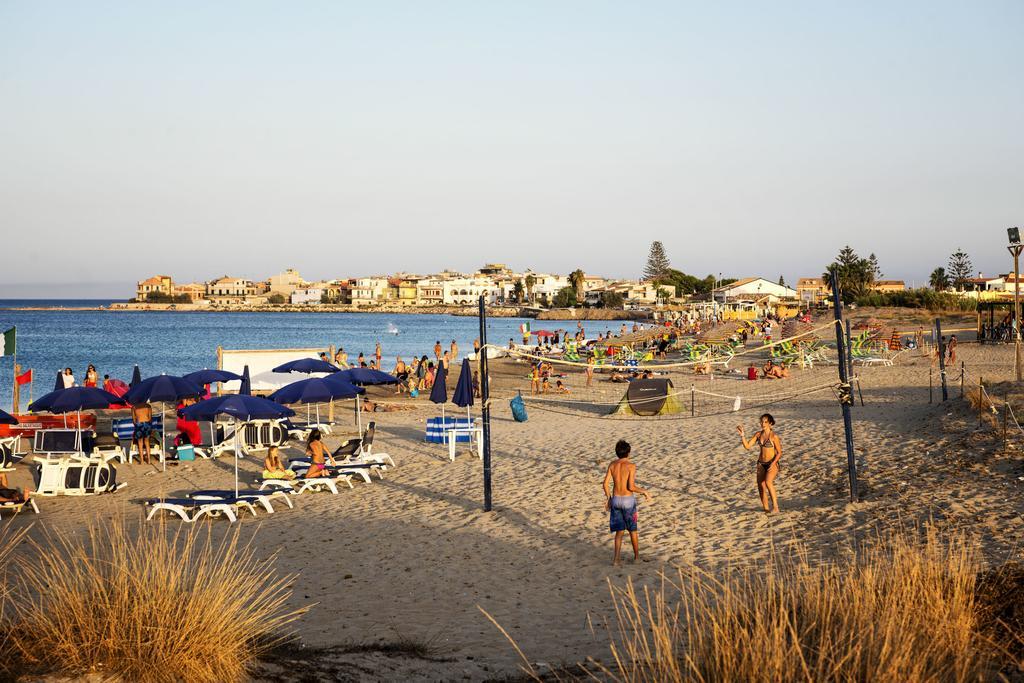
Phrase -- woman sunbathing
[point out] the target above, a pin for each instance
(9, 495)
(319, 455)
(273, 468)
(773, 371)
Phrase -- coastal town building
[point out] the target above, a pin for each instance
(231, 288)
(370, 291)
(285, 283)
(886, 286)
(306, 296)
(812, 291)
(158, 284)
(752, 288)
(195, 291)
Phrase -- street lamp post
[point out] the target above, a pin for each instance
(1015, 249)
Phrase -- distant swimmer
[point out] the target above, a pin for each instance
(770, 453)
(620, 491)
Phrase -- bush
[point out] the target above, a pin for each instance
(161, 298)
(145, 605)
(276, 298)
(565, 298)
(919, 298)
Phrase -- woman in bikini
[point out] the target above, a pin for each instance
(318, 454)
(767, 462)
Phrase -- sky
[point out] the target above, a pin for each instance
(343, 139)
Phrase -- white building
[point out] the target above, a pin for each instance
(753, 288)
(466, 291)
(285, 283)
(370, 290)
(307, 295)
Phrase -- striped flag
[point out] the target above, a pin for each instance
(7, 342)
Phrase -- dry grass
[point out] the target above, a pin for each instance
(907, 609)
(145, 605)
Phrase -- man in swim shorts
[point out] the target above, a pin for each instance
(620, 491)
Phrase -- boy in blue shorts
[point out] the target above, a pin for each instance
(620, 490)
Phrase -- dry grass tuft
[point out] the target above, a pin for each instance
(907, 609)
(146, 605)
(904, 611)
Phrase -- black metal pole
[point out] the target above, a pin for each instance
(845, 391)
(942, 359)
(485, 397)
(849, 352)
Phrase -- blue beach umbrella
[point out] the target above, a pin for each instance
(74, 399)
(7, 419)
(136, 377)
(245, 386)
(364, 377)
(207, 376)
(307, 365)
(316, 390)
(161, 389)
(240, 407)
(59, 384)
(439, 392)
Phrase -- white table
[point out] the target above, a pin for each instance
(475, 433)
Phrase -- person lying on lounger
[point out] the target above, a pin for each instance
(9, 495)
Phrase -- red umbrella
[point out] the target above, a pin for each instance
(543, 333)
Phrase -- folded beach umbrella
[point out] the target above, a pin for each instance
(463, 396)
(136, 377)
(439, 392)
(307, 365)
(59, 384)
(245, 386)
(161, 389)
(74, 399)
(364, 377)
(7, 419)
(316, 390)
(241, 408)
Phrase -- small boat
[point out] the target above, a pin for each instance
(392, 329)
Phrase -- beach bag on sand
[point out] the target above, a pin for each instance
(414, 393)
(518, 408)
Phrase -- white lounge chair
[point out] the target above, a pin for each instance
(264, 498)
(212, 508)
(11, 506)
(73, 476)
(304, 485)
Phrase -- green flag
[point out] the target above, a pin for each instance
(7, 345)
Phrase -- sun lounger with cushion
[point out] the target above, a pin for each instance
(262, 497)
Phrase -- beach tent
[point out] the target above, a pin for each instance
(647, 397)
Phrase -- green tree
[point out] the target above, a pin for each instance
(517, 291)
(611, 300)
(856, 275)
(530, 282)
(938, 280)
(276, 298)
(663, 295)
(657, 262)
(876, 272)
(566, 298)
(960, 269)
(577, 279)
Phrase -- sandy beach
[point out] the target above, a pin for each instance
(412, 557)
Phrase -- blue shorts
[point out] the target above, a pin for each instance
(623, 513)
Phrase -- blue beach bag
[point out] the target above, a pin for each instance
(518, 408)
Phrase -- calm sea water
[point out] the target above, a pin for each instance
(177, 343)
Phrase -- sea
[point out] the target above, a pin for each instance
(181, 342)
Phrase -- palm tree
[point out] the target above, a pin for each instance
(517, 291)
(939, 281)
(576, 279)
(530, 282)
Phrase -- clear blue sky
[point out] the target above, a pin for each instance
(344, 139)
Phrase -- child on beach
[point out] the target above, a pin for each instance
(620, 491)
(768, 460)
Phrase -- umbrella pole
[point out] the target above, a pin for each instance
(317, 413)
(80, 444)
(236, 457)
(359, 416)
(163, 437)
